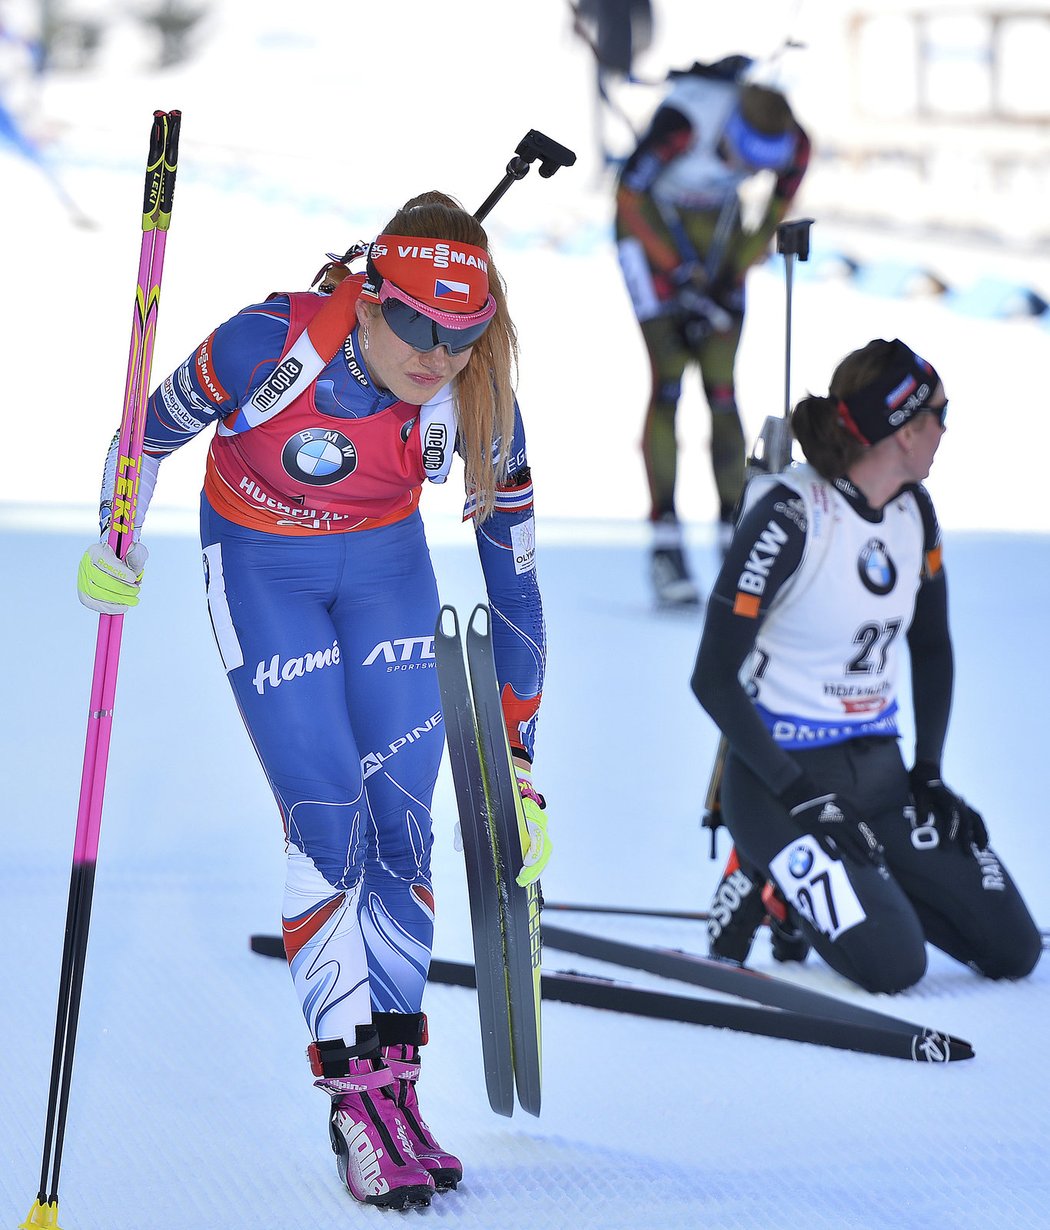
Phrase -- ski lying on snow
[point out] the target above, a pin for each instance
(715, 975)
(625, 911)
(924, 1046)
(569, 907)
(504, 916)
(734, 980)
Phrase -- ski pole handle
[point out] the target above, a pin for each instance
(158, 198)
(171, 164)
(154, 171)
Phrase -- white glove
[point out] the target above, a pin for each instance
(107, 584)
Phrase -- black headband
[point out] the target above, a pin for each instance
(897, 394)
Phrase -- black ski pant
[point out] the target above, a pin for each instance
(960, 899)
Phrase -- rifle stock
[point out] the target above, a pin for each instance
(772, 451)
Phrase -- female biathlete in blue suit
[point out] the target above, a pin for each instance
(332, 410)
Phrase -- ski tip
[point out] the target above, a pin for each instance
(447, 623)
(931, 1046)
(480, 620)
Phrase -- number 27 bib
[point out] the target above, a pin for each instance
(817, 886)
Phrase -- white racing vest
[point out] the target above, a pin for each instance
(698, 178)
(825, 662)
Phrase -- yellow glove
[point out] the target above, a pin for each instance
(539, 852)
(108, 584)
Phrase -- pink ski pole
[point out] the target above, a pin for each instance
(156, 217)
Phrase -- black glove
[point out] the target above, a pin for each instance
(729, 294)
(698, 313)
(689, 275)
(954, 819)
(833, 819)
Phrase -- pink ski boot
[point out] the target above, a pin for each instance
(400, 1037)
(370, 1138)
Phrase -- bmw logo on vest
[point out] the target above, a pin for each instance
(878, 573)
(319, 458)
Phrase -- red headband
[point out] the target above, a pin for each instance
(445, 274)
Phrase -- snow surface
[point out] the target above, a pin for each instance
(191, 1103)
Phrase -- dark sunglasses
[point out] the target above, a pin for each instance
(425, 328)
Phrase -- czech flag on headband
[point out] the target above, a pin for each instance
(446, 291)
(446, 274)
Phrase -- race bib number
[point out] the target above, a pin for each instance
(817, 886)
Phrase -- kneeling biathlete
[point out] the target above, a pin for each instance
(832, 565)
(332, 410)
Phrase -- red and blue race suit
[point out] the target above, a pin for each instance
(323, 600)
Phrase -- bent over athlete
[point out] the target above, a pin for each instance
(832, 566)
(331, 410)
(685, 254)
